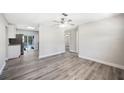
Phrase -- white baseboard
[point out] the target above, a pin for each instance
(45, 56)
(1, 69)
(103, 62)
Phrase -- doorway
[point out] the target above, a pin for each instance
(28, 43)
(67, 41)
(71, 40)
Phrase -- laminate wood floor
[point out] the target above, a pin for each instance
(66, 66)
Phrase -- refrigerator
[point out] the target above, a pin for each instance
(19, 40)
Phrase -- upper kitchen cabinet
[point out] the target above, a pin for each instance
(11, 31)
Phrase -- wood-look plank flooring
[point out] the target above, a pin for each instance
(66, 66)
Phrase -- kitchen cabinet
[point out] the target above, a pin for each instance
(11, 31)
(14, 51)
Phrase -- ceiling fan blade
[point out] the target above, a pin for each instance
(63, 19)
(69, 20)
(64, 14)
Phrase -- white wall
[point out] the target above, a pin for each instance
(103, 41)
(30, 33)
(3, 37)
(51, 41)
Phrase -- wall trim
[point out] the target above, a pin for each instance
(1, 69)
(52, 54)
(103, 62)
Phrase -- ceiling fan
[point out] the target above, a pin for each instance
(64, 20)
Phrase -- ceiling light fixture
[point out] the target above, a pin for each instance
(64, 21)
(29, 27)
